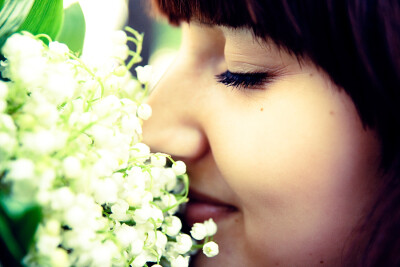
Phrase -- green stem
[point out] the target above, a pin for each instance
(197, 246)
(82, 65)
(138, 41)
(45, 36)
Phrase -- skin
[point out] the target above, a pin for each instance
(291, 155)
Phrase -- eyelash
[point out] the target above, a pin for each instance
(244, 80)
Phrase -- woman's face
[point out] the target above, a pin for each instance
(285, 168)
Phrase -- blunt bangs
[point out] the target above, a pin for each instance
(216, 12)
(285, 22)
(265, 20)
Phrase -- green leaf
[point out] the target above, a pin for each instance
(18, 225)
(46, 17)
(26, 225)
(7, 237)
(12, 15)
(73, 29)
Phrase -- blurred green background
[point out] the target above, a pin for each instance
(159, 37)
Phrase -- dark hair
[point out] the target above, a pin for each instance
(357, 42)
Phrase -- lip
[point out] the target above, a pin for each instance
(202, 207)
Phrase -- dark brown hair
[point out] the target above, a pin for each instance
(357, 42)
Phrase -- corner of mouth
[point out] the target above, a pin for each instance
(202, 207)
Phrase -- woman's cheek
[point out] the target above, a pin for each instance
(298, 164)
(271, 142)
(299, 132)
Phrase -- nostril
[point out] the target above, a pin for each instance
(195, 156)
(203, 148)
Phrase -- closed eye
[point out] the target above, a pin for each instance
(249, 80)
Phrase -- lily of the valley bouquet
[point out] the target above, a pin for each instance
(78, 188)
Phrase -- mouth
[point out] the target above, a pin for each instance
(202, 207)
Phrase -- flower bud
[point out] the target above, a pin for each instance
(158, 160)
(58, 48)
(126, 234)
(172, 225)
(180, 261)
(139, 261)
(183, 243)
(59, 258)
(120, 71)
(211, 227)
(72, 167)
(179, 167)
(211, 249)
(21, 169)
(144, 73)
(119, 37)
(53, 227)
(198, 231)
(3, 90)
(3, 105)
(144, 111)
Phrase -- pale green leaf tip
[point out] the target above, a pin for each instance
(73, 28)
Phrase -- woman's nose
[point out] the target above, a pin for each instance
(174, 127)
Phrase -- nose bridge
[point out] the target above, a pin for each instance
(174, 127)
(177, 91)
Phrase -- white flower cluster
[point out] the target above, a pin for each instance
(70, 140)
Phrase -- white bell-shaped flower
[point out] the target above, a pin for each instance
(180, 261)
(211, 249)
(183, 243)
(211, 227)
(179, 167)
(172, 225)
(144, 111)
(198, 231)
(144, 73)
